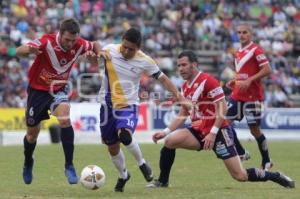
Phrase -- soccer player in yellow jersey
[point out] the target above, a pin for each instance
(119, 101)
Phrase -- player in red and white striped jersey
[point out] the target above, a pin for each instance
(247, 97)
(209, 129)
(48, 89)
(204, 92)
(55, 59)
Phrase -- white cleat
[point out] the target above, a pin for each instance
(246, 156)
(267, 166)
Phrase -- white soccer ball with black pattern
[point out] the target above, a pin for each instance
(92, 177)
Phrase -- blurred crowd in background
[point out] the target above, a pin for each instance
(168, 26)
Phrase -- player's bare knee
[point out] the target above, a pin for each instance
(125, 136)
(31, 138)
(32, 134)
(169, 143)
(114, 149)
(64, 122)
(255, 131)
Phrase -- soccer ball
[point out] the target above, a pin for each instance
(92, 177)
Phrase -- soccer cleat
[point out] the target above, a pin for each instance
(121, 183)
(71, 174)
(246, 156)
(27, 173)
(284, 181)
(157, 184)
(147, 172)
(267, 165)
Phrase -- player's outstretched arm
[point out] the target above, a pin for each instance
(175, 123)
(166, 82)
(25, 50)
(93, 55)
(100, 52)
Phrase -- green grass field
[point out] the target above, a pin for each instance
(194, 174)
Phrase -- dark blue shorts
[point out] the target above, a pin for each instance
(111, 120)
(39, 103)
(224, 147)
(251, 110)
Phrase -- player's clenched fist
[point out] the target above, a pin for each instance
(105, 54)
(158, 135)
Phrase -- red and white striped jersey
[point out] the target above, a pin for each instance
(248, 61)
(51, 68)
(203, 91)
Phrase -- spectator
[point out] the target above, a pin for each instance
(280, 98)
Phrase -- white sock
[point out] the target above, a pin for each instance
(119, 162)
(135, 150)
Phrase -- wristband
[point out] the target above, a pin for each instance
(214, 130)
(167, 131)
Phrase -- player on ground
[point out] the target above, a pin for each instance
(247, 91)
(209, 130)
(48, 89)
(119, 108)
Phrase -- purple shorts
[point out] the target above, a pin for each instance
(111, 120)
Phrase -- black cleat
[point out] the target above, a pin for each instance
(284, 181)
(147, 172)
(157, 184)
(121, 183)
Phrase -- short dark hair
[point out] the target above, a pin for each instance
(190, 54)
(247, 25)
(133, 35)
(70, 25)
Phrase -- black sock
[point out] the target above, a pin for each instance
(255, 175)
(28, 151)
(239, 148)
(166, 161)
(263, 148)
(67, 140)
